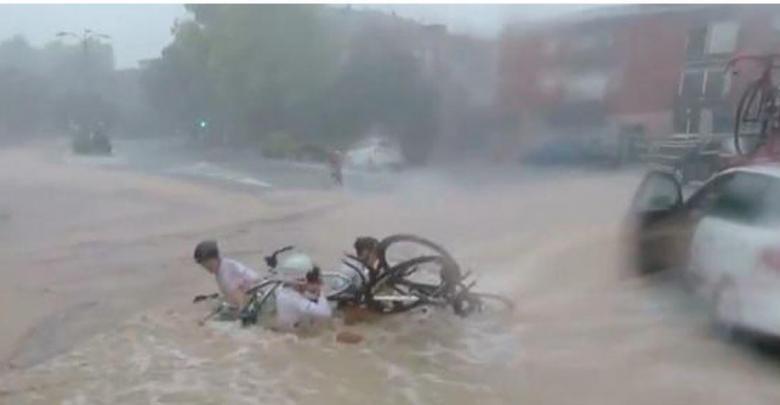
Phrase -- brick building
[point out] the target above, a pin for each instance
(649, 70)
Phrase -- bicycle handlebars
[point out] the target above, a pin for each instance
(272, 261)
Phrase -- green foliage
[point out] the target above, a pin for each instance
(383, 85)
(178, 84)
(252, 67)
(273, 69)
(43, 88)
(280, 145)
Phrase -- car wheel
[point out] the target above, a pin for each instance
(726, 310)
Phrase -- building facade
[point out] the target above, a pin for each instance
(631, 70)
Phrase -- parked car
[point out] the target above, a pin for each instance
(93, 143)
(375, 154)
(724, 238)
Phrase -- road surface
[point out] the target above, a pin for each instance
(98, 281)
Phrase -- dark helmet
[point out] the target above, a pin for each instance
(206, 250)
(365, 243)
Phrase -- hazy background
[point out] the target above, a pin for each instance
(444, 83)
(141, 31)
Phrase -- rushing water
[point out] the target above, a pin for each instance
(164, 358)
(586, 331)
(239, 168)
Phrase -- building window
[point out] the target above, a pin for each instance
(589, 86)
(692, 116)
(692, 84)
(716, 84)
(697, 40)
(591, 42)
(715, 38)
(686, 120)
(722, 37)
(722, 120)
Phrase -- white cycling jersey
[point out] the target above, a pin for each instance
(294, 312)
(233, 278)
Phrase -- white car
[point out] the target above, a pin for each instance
(375, 154)
(725, 238)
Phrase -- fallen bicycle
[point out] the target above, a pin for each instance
(399, 284)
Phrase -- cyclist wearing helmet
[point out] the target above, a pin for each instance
(301, 304)
(233, 278)
(367, 251)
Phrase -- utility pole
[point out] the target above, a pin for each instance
(84, 38)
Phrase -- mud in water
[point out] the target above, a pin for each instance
(164, 358)
(585, 330)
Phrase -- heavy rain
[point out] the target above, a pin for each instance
(495, 204)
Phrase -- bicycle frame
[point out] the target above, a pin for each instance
(758, 104)
(453, 290)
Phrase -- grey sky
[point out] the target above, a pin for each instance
(141, 31)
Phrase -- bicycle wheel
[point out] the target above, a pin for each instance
(751, 121)
(410, 284)
(259, 295)
(398, 249)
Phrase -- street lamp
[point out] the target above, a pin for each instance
(87, 34)
(84, 38)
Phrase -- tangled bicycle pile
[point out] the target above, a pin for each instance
(399, 284)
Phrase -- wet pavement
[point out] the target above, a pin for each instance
(586, 329)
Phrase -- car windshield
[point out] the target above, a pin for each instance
(658, 192)
(741, 197)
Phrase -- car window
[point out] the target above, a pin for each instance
(657, 192)
(740, 198)
(772, 204)
(703, 199)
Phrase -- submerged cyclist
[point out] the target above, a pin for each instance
(367, 253)
(233, 277)
(300, 304)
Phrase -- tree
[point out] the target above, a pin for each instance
(178, 84)
(45, 87)
(266, 61)
(382, 84)
(269, 69)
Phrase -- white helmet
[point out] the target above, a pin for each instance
(295, 266)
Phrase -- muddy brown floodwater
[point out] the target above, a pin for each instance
(97, 284)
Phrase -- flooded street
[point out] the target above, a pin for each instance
(120, 281)
(140, 144)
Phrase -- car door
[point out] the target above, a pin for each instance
(695, 208)
(653, 214)
(729, 233)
